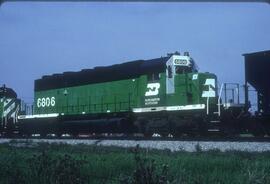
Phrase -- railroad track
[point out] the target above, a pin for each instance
(241, 138)
(172, 145)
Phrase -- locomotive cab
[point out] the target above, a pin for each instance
(184, 81)
(178, 64)
(182, 97)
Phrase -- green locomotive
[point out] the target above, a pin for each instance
(166, 95)
(9, 109)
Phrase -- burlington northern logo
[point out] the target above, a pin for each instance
(153, 89)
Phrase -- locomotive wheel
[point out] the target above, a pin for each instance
(191, 134)
(164, 134)
(258, 133)
(58, 134)
(258, 130)
(202, 131)
(141, 124)
(177, 134)
(228, 131)
(148, 132)
(43, 134)
(267, 130)
(28, 135)
(74, 134)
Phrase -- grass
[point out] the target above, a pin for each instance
(51, 163)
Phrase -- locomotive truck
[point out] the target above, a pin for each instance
(166, 95)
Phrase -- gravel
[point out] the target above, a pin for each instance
(188, 146)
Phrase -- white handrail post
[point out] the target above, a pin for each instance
(207, 103)
(219, 99)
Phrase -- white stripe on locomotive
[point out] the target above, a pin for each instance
(8, 107)
(170, 108)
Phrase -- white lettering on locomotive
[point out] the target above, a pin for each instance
(180, 62)
(46, 102)
(153, 89)
(151, 101)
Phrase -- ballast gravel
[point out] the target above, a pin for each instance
(188, 146)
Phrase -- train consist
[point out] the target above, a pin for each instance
(166, 96)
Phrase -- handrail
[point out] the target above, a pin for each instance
(219, 99)
(207, 103)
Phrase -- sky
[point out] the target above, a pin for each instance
(38, 38)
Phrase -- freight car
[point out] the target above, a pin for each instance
(165, 95)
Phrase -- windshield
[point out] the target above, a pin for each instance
(182, 69)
